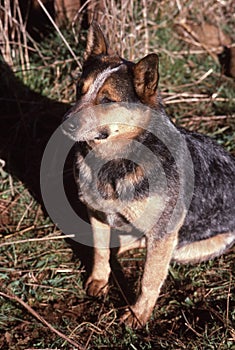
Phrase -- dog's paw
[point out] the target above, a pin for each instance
(134, 319)
(95, 287)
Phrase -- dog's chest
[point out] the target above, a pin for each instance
(116, 180)
(118, 192)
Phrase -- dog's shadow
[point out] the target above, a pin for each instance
(27, 121)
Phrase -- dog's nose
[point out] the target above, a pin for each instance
(102, 135)
(70, 124)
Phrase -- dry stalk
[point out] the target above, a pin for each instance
(196, 40)
(214, 118)
(127, 25)
(14, 44)
(14, 38)
(199, 100)
(59, 32)
(146, 33)
(23, 49)
(48, 238)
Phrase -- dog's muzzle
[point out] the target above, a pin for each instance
(70, 125)
(82, 126)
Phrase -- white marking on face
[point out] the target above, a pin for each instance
(99, 81)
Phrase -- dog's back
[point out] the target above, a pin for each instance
(212, 209)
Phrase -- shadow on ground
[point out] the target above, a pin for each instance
(27, 121)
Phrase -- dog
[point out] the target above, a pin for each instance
(126, 193)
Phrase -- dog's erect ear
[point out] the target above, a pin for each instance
(96, 42)
(146, 76)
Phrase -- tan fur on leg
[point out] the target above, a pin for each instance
(97, 282)
(157, 263)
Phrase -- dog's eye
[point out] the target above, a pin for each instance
(106, 100)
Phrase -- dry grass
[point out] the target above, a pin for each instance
(42, 301)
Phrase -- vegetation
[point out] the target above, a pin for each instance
(43, 304)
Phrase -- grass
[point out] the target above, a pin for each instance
(43, 304)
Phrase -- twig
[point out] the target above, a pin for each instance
(23, 49)
(146, 33)
(208, 118)
(54, 269)
(179, 5)
(189, 325)
(29, 228)
(228, 301)
(6, 209)
(58, 31)
(94, 329)
(24, 214)
(79, 12)
(204, 99)
(197, 82)
(36, 240)
(194, 35)
(11, 185)
(172, 95)
(41, 319)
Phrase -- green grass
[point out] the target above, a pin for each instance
(53, 72)
(196, 309)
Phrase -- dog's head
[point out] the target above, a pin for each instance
(109, 82)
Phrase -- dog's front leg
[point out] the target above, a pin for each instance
(159, 254)
(97, 282)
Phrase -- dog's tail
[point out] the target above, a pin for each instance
(205, 249)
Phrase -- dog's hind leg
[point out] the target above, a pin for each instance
(205, 249)
(158, 257)
(136, 244)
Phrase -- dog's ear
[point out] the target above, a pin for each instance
(146, 76)
(96, 42)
